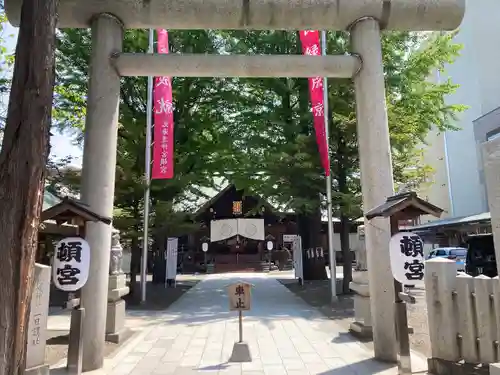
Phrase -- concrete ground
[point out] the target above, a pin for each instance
(285, 336)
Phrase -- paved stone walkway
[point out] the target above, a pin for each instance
(286, 337)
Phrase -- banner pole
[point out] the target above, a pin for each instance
(331, 250)
(147, 168)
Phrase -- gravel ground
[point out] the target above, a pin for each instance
(317, 294)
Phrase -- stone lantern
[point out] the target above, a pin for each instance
(117, 288)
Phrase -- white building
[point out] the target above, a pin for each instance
(458, 184)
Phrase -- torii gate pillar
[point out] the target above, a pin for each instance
(376, 180)
(98, 179)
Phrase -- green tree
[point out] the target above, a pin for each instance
(198, 104)
(258, 133)
(24, 154)
(277, 154)
(6, 64)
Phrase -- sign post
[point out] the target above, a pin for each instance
(297, 259)
(240, 300)
(70, 272)
(406, 252)
(171, 262)
(204, 248)
(407, 265)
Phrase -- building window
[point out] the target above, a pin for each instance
(493, 134)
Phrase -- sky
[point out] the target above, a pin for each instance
(61, 144)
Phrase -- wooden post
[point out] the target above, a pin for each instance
(75, 346)
(402, 331)
(240, 321)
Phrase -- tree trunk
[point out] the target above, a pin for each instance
(158, 257)
(310, 231)
(345, 247)
(135, 265)
(23, 158)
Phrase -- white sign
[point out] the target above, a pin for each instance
(70, 268)
(204, 247)
(297, 257)
(289, 237)
(239, 296)
(171, 258)
(37, 326)
(227, 228)
(407, 257)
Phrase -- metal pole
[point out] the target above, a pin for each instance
(147, 166)
(331, 251)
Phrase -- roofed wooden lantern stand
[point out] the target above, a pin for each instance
(398, 208)
(70, 211)
(77, 214)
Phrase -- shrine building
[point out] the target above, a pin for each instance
(237, 226)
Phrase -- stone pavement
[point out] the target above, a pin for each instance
(285, 335)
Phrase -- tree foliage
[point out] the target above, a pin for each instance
(258, 133)
(277, 138)
(199, 104)
(6, 64)
(276, 150)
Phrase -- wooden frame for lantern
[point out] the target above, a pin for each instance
(70, 211)
(397, 208)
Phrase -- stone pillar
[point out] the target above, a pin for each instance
(491, 159)
(362, 325)
(98, 179)
(440, 283)
(117, 288)
(376, 180)
(37, 326)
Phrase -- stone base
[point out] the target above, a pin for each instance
(241, 353)
(116, 294)
(115, 319)
(117, 281)
(362, 326)
(120, 337)
(361, 331)
(439, 366)
(39, 370)
(495, 369)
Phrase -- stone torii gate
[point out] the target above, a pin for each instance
(364, 19)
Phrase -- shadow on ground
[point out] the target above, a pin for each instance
(367, 366)
(267, 305)
(158, 297)
(317, 293)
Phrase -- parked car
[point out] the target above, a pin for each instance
(458, 254)
(481, 258)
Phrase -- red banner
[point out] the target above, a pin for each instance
(310, 46)
(163, 146)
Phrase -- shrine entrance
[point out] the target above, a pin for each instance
(235, 225)
(363, 20)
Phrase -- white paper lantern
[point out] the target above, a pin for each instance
(71, 264)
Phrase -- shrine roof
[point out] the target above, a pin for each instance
(205, 206)
(67, 210)
(49, 199)
(406, 205)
